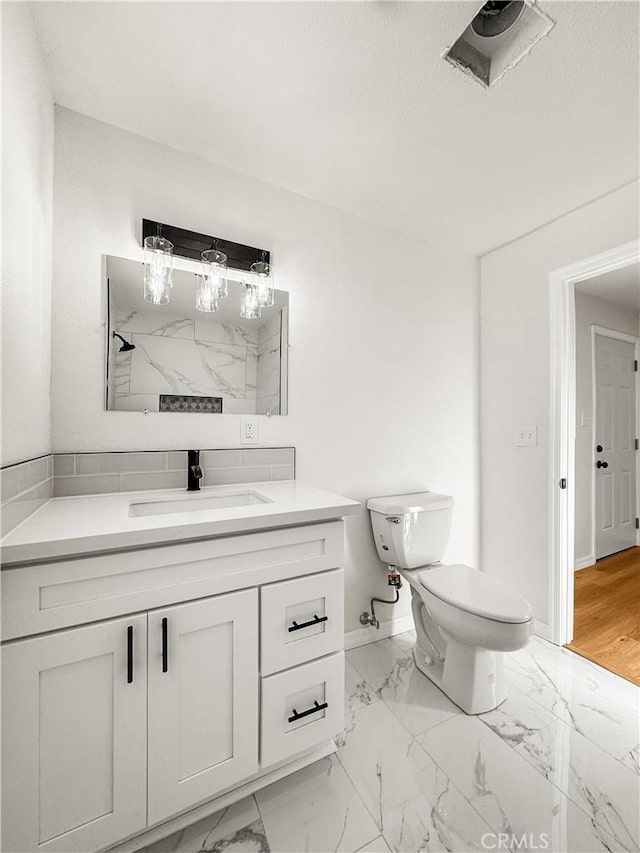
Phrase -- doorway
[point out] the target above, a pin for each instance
(615, 425)
(566, 433)
(607, 560)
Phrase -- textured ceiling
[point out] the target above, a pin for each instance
(351, 104)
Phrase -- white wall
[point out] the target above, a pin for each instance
(515, 384)
(27, 175)
(590, 310)
(384, 332)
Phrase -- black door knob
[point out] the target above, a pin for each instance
(600, 464)
(599, 448)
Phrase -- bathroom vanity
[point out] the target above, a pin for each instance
(165, 654)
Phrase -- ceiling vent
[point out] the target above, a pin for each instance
(499, 36)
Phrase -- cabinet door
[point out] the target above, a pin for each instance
(74, 746)
(203, 700)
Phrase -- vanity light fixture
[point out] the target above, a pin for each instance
(158, 264)
(264, 281)
(215, 271)
(216, 256)
(249, 304)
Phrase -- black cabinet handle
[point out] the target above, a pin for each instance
(130, 654)
(600, 464)
(165, 646)
(599, 448)
(298, 716)
(315, 621)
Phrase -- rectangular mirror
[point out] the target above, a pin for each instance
(173, 358)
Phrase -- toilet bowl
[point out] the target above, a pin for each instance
(465, 620)
(476, 619)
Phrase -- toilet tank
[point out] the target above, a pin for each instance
(411, 530)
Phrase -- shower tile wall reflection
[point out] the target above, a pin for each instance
(181, 351)
(166, 364)
(172, 365)
(268, 368)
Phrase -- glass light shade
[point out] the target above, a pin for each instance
(158, 265)
(264, 283)
(206, 295)
(249, 305)
(215, 270)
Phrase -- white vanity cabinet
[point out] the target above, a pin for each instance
(203, 700)
(232, 670)
(74, 747)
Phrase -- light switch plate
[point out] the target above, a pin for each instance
(526, 435)
(248, 429)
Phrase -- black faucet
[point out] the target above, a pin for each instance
(194, 471)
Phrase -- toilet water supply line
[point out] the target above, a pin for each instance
(393, 579)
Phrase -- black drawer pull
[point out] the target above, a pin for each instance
(315, 621)
(298, 716)
(130, 654)
(165, 646)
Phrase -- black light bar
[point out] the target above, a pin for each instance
(191, 244)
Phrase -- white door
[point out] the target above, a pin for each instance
(615, 455)
(203, 700)
(74, 751)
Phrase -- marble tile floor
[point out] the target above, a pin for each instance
(555, 767)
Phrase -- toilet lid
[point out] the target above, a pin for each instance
(473, 591)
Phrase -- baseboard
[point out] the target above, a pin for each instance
(584, 562)
(542, 630)
(388, 628)
(400, 624)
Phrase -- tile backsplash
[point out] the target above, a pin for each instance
(28, 485)
(24, 488)
(99, 473)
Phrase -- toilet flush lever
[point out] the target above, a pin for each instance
(393, 519)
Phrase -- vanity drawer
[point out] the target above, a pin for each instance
(302, 619)
(301, 708)
(49, 596)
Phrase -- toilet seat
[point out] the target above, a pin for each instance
(473, 591)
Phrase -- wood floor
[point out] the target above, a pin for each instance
(607, 614)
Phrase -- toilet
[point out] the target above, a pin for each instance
(465, 620)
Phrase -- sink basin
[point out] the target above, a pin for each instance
(191, 503)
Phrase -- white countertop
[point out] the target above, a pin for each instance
(76, 526)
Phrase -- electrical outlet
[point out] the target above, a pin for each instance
(526, 436)
(249, 430)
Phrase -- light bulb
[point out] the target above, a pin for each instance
(158, 264)
(250, 307)
(215, 270)
(264, 283)
(206, 295)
